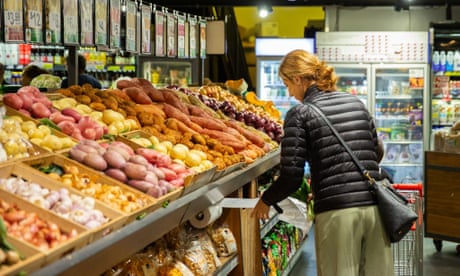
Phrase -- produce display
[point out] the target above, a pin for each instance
(147, 143)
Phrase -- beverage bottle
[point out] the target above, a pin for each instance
(442, 61)
(450, 61)
(457, 60)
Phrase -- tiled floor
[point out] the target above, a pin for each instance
(444, 263)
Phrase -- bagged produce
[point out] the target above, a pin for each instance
(46, 81)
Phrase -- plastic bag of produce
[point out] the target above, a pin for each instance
(295, 213)
(46, 81)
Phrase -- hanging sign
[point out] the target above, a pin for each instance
(70, 8)
(202, 38)
(34, 21)
(101, 16)
(115, 23)
(146, 12)
(186, 37)
(181, 36)
(13, 21)
(193, 37)
(171, 35)
(53, 22)
(159, 34)
(86, 22)
(131, 31)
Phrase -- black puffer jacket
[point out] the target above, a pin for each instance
(336, 181)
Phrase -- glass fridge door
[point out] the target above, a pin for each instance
(399, 98)
(270, 87)
(354, 79)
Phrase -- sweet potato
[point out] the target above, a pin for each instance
(174, 100)
(175, 124)
(151, 108)
(154, 94)
(209, 123)
(198, 111)
(122, 84)
(173, 112)
(137, 95)
(254, 138)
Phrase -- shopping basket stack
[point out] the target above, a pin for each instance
(408, 253)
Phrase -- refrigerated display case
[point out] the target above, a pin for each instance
(269, 52)
(167, 71)
(389, 72)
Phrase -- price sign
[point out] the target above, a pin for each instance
(171, 35)
(34, 21)
(146, 11)
(86, 22)
(203, 38)
(181, 36)
(70, 8)
(101, 22)
(193, 37)
(131, 26)
(53, 22)
(13, 21)
(159, 34)
(115, 23)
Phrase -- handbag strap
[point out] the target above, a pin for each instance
(339, 137)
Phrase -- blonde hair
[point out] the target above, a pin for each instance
(308, 66)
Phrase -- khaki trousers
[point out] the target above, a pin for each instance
(352, 242)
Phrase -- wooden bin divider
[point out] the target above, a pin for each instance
(32, 259)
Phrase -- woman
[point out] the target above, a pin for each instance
(349, 235)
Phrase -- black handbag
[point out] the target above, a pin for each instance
(397, 216)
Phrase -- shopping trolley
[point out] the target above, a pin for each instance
(408, 253)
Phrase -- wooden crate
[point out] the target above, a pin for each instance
(32, 260)
(97, 176)
(59, 251)
(116, 219)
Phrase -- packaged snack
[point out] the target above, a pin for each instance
(194, 258)
(223, 240)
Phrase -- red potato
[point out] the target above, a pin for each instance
(169, 174)
(13, 100)
(39, 110)
(151, 177)
(166, 185)
(25, 112)
(178, 168)
(135, 171)
(114, 159)
(27, 101)
(124, 154)
(76, 133)
(139, 159)
(45, 101)
(58, 117)
(86, 148)
(117, 174)
(178, 182)
(77, 154)
(67, 127)
(31, 90)
(89, 133)
(155, 191)
(160, 174)
(68, 111)
(123, 146)
(141, 185)
(95, 161)
(155, 157)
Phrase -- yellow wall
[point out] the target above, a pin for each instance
(291, 20)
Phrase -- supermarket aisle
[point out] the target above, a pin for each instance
(445, 263)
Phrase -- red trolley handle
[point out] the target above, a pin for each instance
(409, 186)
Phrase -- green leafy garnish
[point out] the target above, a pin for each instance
(109, 137)
(53, 168)
(165, 204)
(47, 122)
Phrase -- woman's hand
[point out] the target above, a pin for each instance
(260, 210)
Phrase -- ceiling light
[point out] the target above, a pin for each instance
(264, 11)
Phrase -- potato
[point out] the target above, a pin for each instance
(135, 171)
(114, 159)
(13, 100)
(137, 95)
(95, 161)
(141, 185)
(117, 174)
(39, 110)
(77, 154)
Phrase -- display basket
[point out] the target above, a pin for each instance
(57, 252)
(32, 259)
(115, 219)
(408, 253)
(146, 202)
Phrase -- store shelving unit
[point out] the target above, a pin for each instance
(102, 254)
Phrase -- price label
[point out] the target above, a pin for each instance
(70, 23)
(35, 19)
(54, 21)
(13, 18)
